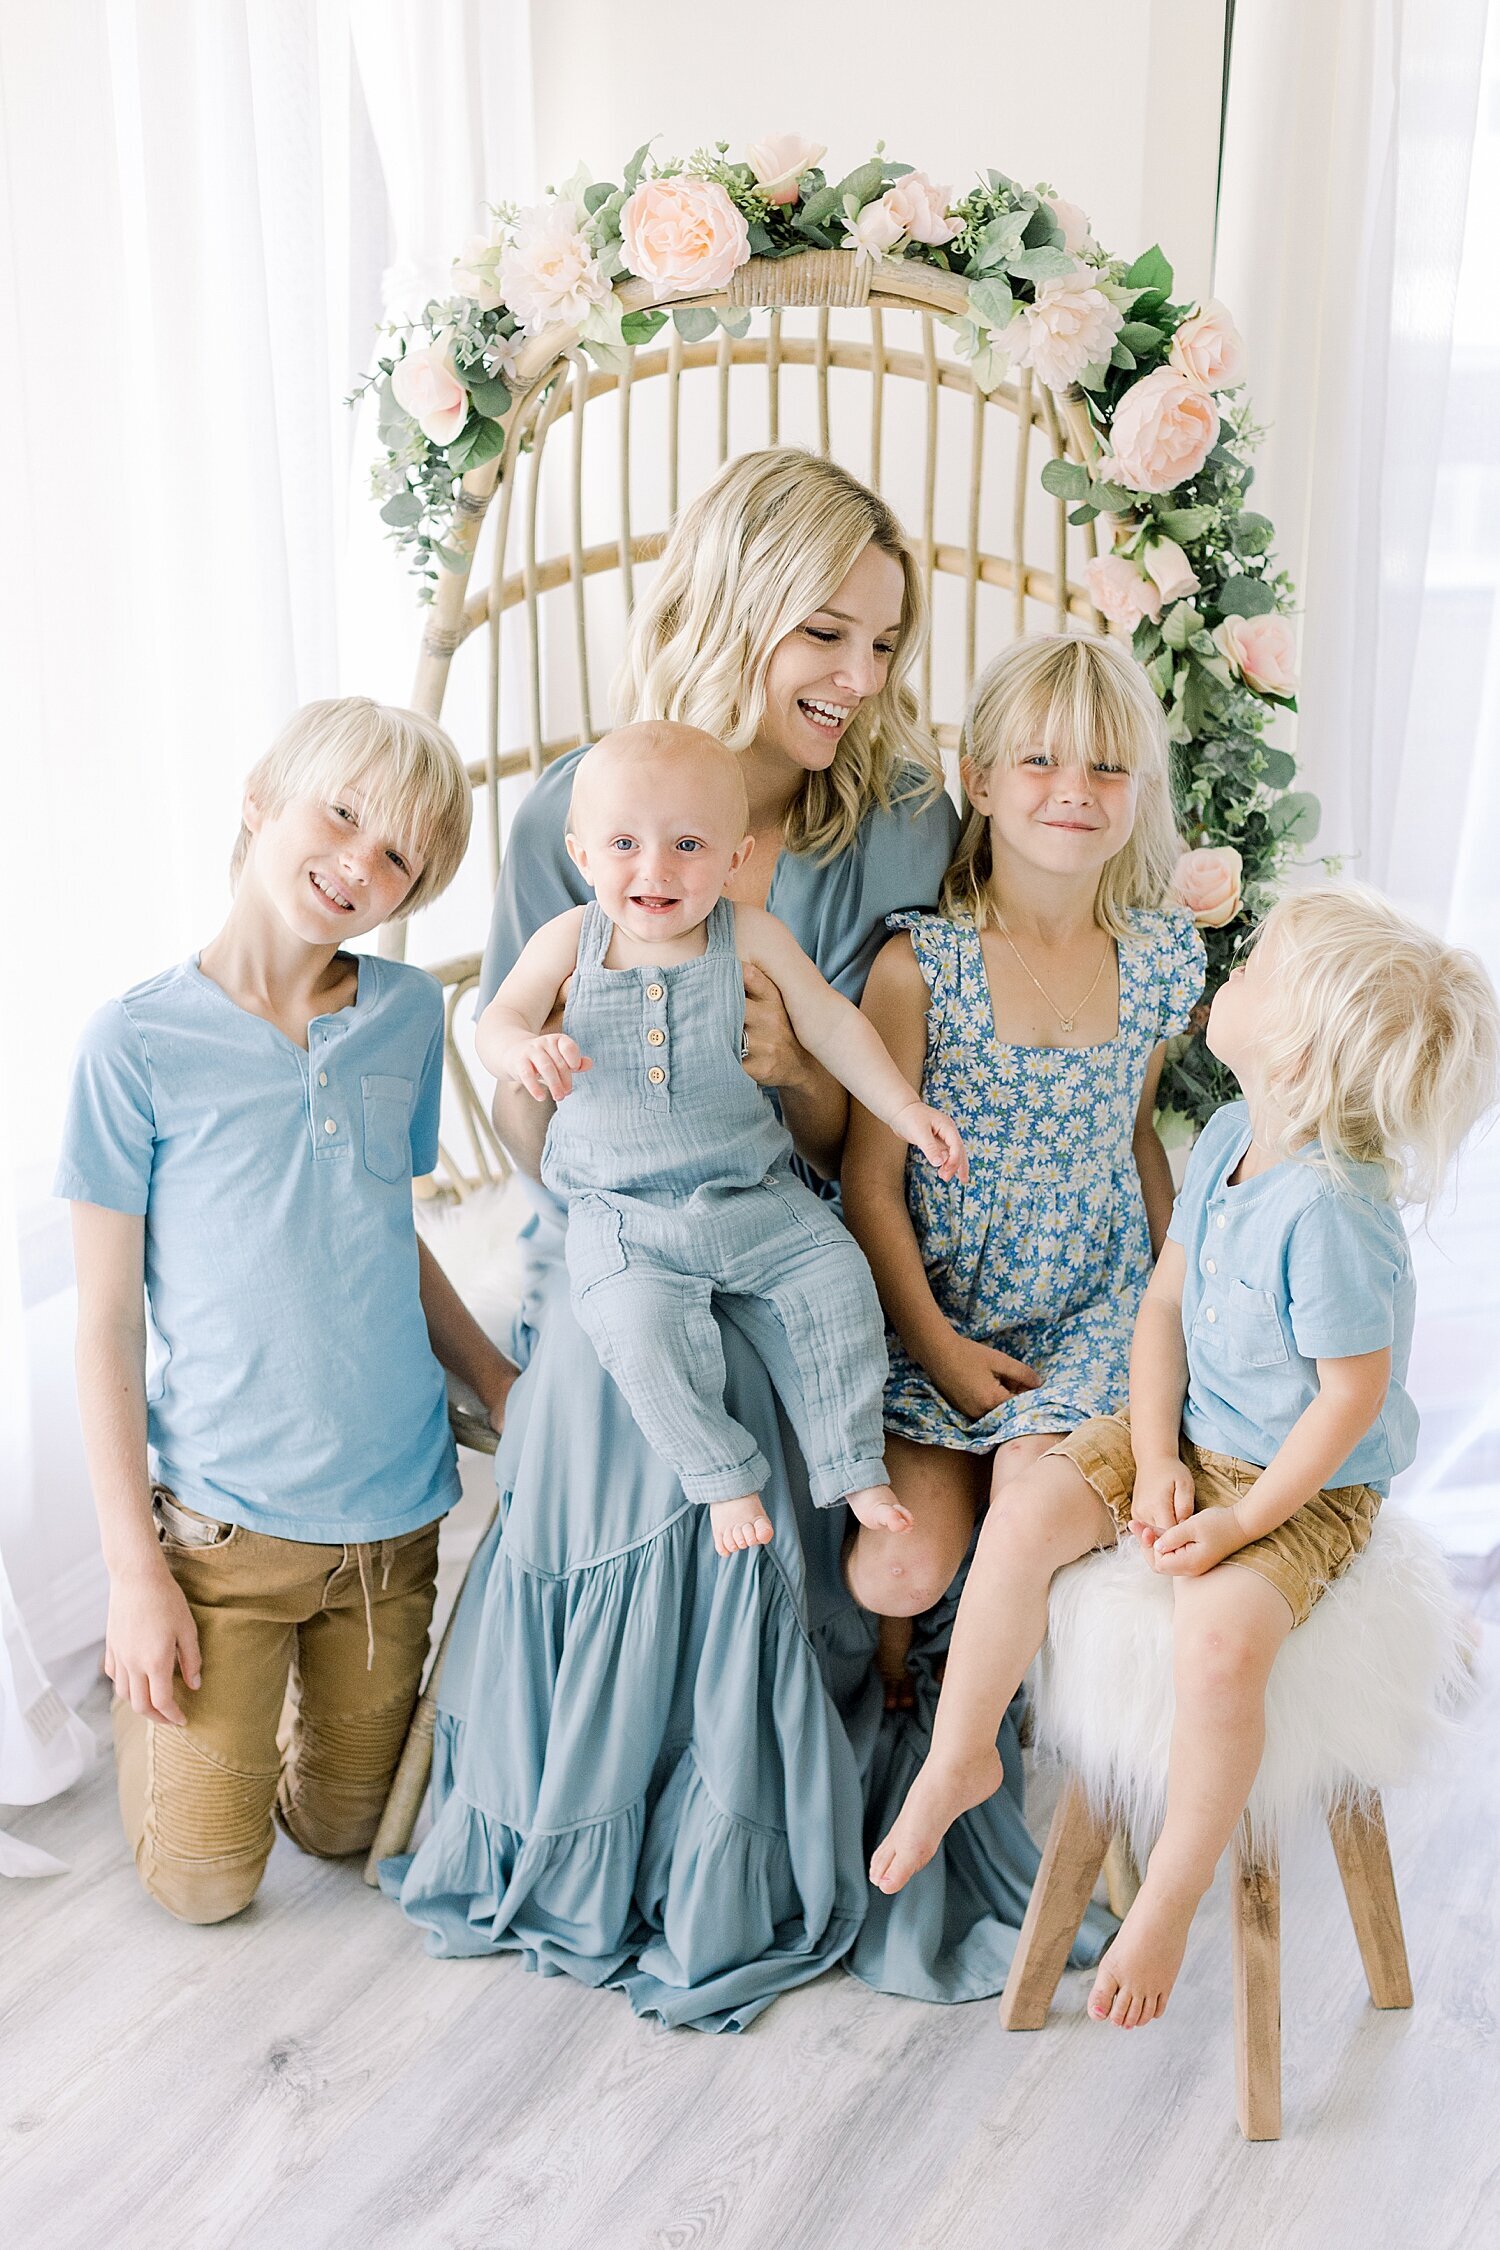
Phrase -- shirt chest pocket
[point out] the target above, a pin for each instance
(1247, 1330)
(388, 1126)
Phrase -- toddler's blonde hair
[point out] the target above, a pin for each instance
(748, 561)
(1086, 701)
(1386, 1042)
(410, 776)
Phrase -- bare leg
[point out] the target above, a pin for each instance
(1227, 1629)
(1044, 1519)
(901, 1573)
(739, 1524)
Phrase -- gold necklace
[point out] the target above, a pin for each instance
(1068, 1021)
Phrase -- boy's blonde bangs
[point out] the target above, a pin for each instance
(748, 561)
(1085, 700)
(1386, 1045)
(411, 780)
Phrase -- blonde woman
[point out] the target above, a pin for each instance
(1034, 1004)
(652, 1772)
(1267, 1402)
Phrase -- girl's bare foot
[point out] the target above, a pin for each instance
(891, 1652)
(1140, 1968)
(942, 1790)
(880, 1509)
(738, 1524)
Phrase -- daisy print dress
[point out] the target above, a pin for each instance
(1044, 1252)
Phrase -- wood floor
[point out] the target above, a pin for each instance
(306, 2076)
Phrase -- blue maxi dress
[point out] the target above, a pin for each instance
(654, 1768)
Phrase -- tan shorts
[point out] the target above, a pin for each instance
(1301, 1558)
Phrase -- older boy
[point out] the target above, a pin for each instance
(241, 1139)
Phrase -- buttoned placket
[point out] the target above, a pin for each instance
(328, 1115)
(654, 1039)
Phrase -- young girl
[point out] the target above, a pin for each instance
(1032, 1007)
(1267, 1414)
(676, 1168)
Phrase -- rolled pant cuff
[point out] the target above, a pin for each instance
(706, 1486)
(834, 1483)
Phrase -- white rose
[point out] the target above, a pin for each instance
(876, 230)
(1071, 326)
(1208, 351)
(549, 271)
(1077, 233)
(921, 208)
(779, 163)
(425, 385)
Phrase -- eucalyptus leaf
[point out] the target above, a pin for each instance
(1042, 230)
(1094, 376)
(1066, 480)
(1145, 640)
(819, 207)
(1139, 336)
(451, 559)
(997, 241)
(401, 509)
(864, 183)
(640, 327)
(392, 421)
(695, 323)
(1294, 818)
(736, 323)
(1180, 624)
(1085, 514)
(1278, 767)
(1045, 264)
(636, 166)
(492, 397)
(600, 192)
(991, 301)
(1245, 597)
(1121, 356)
(1250, 534)
(477, 441)
(760, 240)
(1112, 498)
(1159, 672)
(1185, 523)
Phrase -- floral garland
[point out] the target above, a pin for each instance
(1188, 567)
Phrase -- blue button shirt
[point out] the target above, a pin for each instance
(291, 1386)
(1288, 1268)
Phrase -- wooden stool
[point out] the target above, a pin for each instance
(1076, 1846)
(1355, 1699)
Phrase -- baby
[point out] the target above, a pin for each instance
(675, 1165)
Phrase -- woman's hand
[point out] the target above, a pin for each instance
(976, 1378)
(772, 1052)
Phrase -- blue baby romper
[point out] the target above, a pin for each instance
(678, 1177)
(1044, 1252)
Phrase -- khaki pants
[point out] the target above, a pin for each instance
(312, 1658)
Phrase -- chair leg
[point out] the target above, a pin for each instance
(1255, 1937)
(414, 1766)
(1122, 1878)
(1364, 1856)
(1076, 1844)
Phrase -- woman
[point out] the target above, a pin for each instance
(651, 1771)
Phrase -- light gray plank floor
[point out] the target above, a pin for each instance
(306, 2075)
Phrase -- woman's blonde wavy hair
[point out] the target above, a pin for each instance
(1385, 1043)
(748, 561)
(1089, 703)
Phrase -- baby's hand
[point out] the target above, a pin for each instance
(1163, 1496)
(1191, 1548)
(547, 1065)
(936, 1137)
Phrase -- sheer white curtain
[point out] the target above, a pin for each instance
(206, 210)
(1358, 216)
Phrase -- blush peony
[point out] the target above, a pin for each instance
(1163, 431)
(549, 271)
(683, 235)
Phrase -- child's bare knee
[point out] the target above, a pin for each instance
(905, 1579)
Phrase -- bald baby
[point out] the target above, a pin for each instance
(656, 763)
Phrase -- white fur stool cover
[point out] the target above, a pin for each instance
(1357, 1694)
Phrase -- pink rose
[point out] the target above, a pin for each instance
(779, 163)
(921, 208)
(1071, 326)
(1077, 233)
(683, 235)
(425, 385)
(1263, 650)
(1169, 570)
(1207, 883)
(1163, 431)
(876, 230)
(1124, 594)
(549, 271)
(1208, 350)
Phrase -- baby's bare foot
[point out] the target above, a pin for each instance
(738, 1524)
(878, 1506)
(942, 1790)
(1139, 1970)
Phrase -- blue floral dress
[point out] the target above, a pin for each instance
(1044, 1252)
